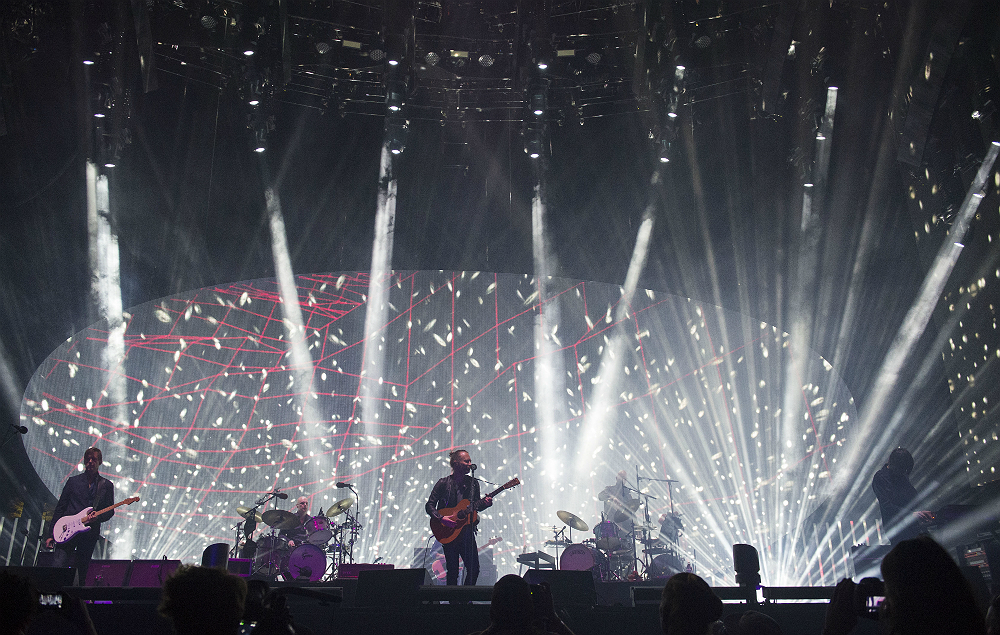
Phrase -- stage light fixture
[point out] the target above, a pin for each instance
(208, 22)
(260, 141)
(664, 151)
(393, 62)
(322, 48)
(88, 62)
(377, 55)
(432, 58)
(395, 96)
(538, 100)
(99, 115)
(486, 60)
(395, 131)
(594, 58)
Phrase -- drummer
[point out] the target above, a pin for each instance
(298, 534)
(619, 504)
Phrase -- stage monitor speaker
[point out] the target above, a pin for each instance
(151, 573)
(45, 579)
(569, 588)
(107, 573)
(240, 567)
(389, 587)
(351, 570)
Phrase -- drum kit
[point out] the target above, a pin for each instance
(612, 554)
(321, 543)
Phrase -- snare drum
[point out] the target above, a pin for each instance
(608, 536)
(304, 562)
(318, 528)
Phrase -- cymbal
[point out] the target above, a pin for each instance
(249, 514)
(572, 520)
(275, 517)
(557, 543)
(339, 507)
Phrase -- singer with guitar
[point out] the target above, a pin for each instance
(447, 493)
(89, 489)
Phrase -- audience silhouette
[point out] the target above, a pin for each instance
(518, 608)
(203, 600)
(925, 594)
(18, 603)
(688, 606)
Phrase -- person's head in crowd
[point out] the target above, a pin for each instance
(993, 617)
(203, 600)
(688, 606)
(750, 623)
(925, 592)
(18, 602)
(511, 605)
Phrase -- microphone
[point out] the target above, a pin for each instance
(20, 429)
(342, 484)
(280, 495)
(474, 467)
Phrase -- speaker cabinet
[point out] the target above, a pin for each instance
(152, 573)
(569, 588)
(107, 573)
(389, 587)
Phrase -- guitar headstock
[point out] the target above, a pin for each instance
(493, 541)
(129, 501)
(514, 482)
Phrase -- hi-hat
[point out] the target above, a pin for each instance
(339, 507)
(276, 517)
(249, 514)
(572, 520)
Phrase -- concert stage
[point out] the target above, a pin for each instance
(619, 608)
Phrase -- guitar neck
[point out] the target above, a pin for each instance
(127, 501)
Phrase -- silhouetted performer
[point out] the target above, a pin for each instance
(897, 497)
(89, 489)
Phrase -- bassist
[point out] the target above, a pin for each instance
(89, 489)
(447, 493)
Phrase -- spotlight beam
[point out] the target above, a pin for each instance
(548, 367)
(867, 452)
(294, 325)
(595, 420)
(376, 309)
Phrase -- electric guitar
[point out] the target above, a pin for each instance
(69, 526)
(440, 568)
(465, 512)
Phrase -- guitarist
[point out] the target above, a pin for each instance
(447, 492)
(89, 489)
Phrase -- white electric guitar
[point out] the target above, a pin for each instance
(69, 526)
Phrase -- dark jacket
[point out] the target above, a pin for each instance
(76, 496)
(447, 493)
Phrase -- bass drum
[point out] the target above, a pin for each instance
(306, 562)
(579, 557)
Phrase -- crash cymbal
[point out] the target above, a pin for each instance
(249, 514)
(275, 517)
(339, 507)
(572, 520)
